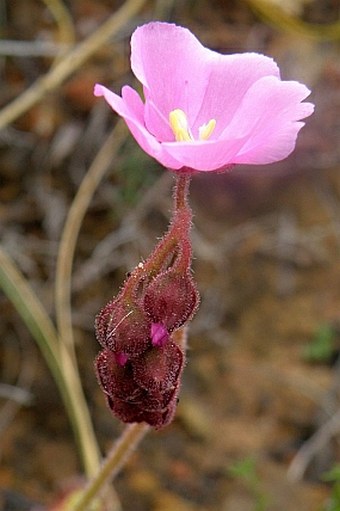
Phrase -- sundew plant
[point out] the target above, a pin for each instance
(200, 111)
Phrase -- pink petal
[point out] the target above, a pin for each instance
(268, 117)
(230, 77)
(156, 122)
(167, 60)
(131, 108)
(204, 155)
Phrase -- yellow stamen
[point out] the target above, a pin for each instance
(179, 125)
(206, 129)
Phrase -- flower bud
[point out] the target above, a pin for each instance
(145, 388)
(128, 412)
(123, 328)
(115, 380)
(171, 299)
(158, 369)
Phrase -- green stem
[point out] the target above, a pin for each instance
(56, 355)
(116, 458)
(30, 309)
(79, 413)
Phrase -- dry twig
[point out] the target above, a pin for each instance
(70, 63)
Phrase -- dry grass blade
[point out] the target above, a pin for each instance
(64, 22)
(72, 227)
(56, 355)
(316, 443)
(30, 309)
(276, 16)
(70, 63)
(121, 450)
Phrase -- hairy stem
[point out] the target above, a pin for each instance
(181, 191)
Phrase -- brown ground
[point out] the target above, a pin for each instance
(263, 372)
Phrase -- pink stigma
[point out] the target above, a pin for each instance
(121, 358)
(159, 334)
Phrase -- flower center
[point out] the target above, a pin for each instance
(179, 125)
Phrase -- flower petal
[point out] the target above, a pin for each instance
(204, 155)
(268, 117)
(159, 369)
(168, 61)
(131, 108)
(230, 77)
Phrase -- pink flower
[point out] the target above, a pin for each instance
(203, 110)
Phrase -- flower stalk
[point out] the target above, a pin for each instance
(143, 332)
(141, 363)
(181, 192)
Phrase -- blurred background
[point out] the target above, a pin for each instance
(258, 422)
